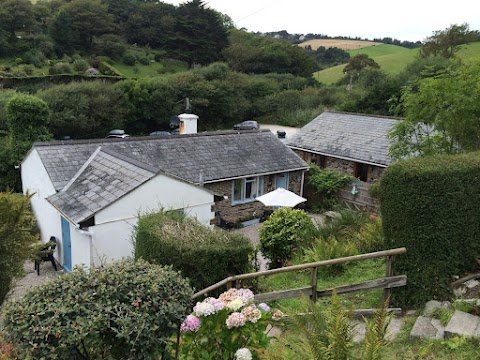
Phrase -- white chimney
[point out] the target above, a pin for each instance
(188, 124)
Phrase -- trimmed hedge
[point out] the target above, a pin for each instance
(125, 310)
(430, 205)
(204, 255)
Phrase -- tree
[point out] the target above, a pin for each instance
(442, 116)
(152, 24)
(250, 53)
(447, 42)
(63, 33)
(27, 118)
(84, 110)
(87, 18)
(18, 232)
(360, 62)
(201, 33)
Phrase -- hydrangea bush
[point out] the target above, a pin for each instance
(230, 327)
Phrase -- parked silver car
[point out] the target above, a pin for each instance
(246, 125)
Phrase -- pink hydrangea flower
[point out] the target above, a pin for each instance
(246, 295)
(228, 295)
(217, 304)
(235, 319)
(190, 324)
(252, 313)
(264, 307)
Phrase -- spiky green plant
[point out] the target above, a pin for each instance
(375, 334)
(327, 333)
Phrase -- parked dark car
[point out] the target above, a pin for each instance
(246, 125)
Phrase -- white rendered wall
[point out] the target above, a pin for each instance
(80, 241)
(114, 225)
(35, 180)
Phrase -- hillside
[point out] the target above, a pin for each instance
(391, 58)
(343, 44)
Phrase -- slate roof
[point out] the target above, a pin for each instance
(104, 179)
(361, 138)
(90, 174)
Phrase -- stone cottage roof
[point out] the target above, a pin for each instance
(356, 137)
(88, 175)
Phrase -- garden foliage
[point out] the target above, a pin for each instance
(327, 332)
(430, 206)
(204, 255)
(125, 310)
(18, 232)
(326, 183)
(286, 231)
(230, 327)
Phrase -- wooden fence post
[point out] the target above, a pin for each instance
(388, 273)
(313, 284)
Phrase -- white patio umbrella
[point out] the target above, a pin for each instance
(281, 197)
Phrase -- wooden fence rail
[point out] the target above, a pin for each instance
(386, 283)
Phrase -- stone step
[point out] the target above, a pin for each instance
(427, 328)
(463, 324)
(359, 329)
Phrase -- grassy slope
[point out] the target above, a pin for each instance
(392, 59)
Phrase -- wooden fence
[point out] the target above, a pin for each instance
(387, 283)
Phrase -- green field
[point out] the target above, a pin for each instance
(392, 59)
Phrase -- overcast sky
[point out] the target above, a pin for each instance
(405, 20)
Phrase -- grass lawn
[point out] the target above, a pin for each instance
(355, 272)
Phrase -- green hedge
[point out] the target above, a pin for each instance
(204, 255)
(431, 206)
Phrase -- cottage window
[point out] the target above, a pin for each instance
(247, 189)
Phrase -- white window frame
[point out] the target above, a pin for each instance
(258, 183)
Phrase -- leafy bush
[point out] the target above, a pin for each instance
(430, 206)
(204, 255)
(344, 225)
(226, 327)
(60, 68)
(331, 248)
(124, 310)
(129, 59)
(18, 231)
(28, 69)
(327, 183)
(283, 233)
(370, 236)
(80, 65)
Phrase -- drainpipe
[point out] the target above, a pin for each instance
(303, 181)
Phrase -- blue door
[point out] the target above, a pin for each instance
(281, 181)
(67, 246)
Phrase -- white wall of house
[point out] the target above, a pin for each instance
(111, 237)
(35, 180)
(114, 225)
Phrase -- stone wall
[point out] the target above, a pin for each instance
(342, 166)
(227, 214)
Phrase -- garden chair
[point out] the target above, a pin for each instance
(47, 254)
